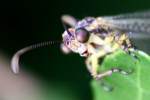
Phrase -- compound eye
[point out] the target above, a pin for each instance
(82, 35)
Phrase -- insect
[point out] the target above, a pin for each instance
(96, 37)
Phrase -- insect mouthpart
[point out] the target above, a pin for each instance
(85, 53)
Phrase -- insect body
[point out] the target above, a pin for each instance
(94, 38)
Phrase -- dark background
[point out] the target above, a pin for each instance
(26, 22)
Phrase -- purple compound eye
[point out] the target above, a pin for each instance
(82, 35)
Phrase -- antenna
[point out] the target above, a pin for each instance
(16, 56)
(65, 27)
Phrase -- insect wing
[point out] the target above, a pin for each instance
(136, 24)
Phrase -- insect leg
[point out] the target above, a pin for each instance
(111, 71)
(106, 86)
(132, 53)
(130, 48)
(88, 64)
(92, 65)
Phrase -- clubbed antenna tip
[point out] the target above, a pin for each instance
(16, 57)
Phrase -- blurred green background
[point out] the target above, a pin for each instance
(26, 22)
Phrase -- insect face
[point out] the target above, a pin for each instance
(76, 38)
(72, 43)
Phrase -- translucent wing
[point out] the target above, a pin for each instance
(138, 23)
(142, 14)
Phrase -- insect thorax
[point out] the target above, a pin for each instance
(105, 38)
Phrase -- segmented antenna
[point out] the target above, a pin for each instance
(65, 27)
(16, 56)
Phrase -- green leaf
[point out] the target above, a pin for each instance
(135, 86)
